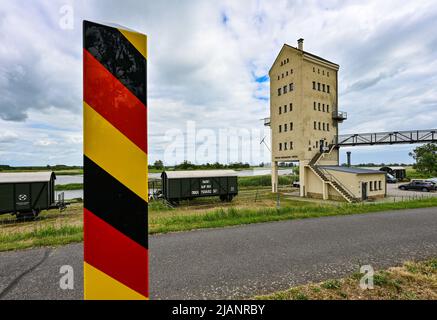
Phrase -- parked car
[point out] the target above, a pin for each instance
(425, 186)
(296, 184)
(391, 178)
(433, 180)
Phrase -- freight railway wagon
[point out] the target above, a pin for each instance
(188, 185)
(26, 194)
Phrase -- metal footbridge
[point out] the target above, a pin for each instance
(384, 138)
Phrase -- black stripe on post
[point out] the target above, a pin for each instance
(110, 47)
(114, 203)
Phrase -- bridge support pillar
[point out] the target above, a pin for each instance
(275, 179)
(303, 177)
(325, 191)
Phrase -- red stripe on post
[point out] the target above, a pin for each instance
(116, 255)
(113, 101)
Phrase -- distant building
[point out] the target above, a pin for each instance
(399, 173)
(304, 121)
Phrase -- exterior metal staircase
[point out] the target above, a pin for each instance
(329, 178)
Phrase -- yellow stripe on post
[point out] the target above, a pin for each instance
(99, 286)
(115, 153)
(138, 40)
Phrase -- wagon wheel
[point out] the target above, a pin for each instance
(36, 212)
(23, 216)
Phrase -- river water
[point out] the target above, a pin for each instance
(74, 194)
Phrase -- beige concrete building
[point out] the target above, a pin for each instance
(304, 121)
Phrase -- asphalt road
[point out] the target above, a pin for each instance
(242, 261)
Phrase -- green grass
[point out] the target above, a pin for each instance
(66, 172)
(78, 172)
(411, 281)
(264, 181)
(232, 216)
(163, 220)
(67, 187)
(331, 284)
(413, 174)
(41, 236)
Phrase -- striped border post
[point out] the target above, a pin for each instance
(115, 163)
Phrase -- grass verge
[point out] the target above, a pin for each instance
(264, 181)
(414, 174)
(67, 187)
(54, 228)
(40, 236)
(413, 280)
(291, 210)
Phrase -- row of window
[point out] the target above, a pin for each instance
(286, 146)
(285, 61)
(323, 71)
(286, 89)
(317, 144)
(375, 185)
(321, 87)
(285, 74)
(321, 126)
(317, 106)
(321, 107)
(286, 108)
(286, 127)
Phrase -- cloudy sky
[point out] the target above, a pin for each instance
(208, 65)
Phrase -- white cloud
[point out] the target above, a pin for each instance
(204, 58)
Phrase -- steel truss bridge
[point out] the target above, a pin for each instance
(381, 138)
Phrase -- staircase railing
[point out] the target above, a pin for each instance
(332, 178)
(329, 178)
(320, 155)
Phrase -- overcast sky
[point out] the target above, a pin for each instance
(208, 63)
